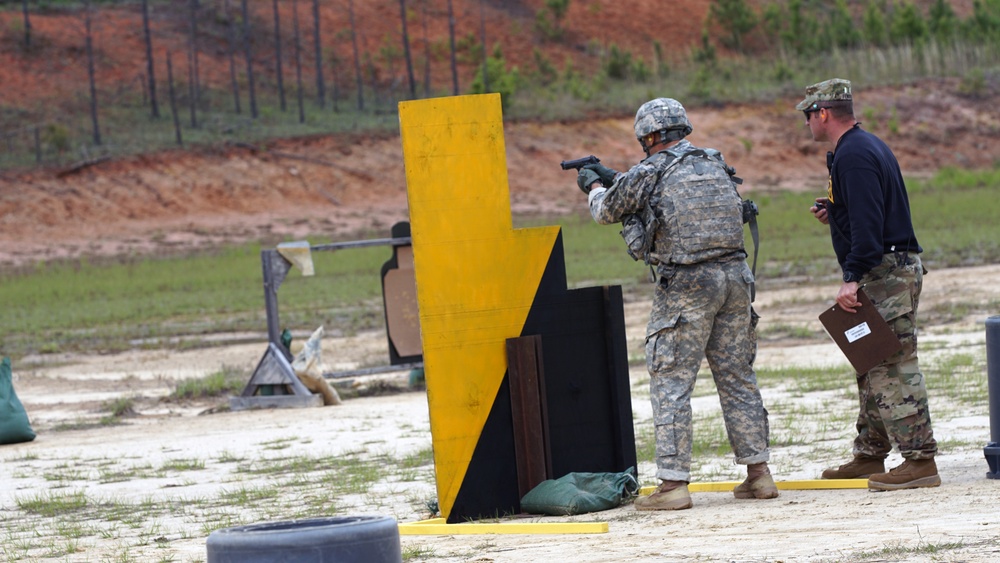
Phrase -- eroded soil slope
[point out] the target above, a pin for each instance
(343, 185)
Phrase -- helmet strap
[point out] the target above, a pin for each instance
(661, 136)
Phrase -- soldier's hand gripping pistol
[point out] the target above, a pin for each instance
(589, 170)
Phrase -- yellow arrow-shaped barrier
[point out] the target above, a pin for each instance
(476, 276)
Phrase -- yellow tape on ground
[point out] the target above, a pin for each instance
(803, 485)
(438, 527)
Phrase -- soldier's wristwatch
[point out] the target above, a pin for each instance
(851, 277)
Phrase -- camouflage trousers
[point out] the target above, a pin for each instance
(703, 312)
(893, 398)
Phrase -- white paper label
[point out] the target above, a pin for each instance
(857, 332)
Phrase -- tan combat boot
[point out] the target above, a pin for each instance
(759, 484)
(912, 474)
(858, 468)
(668, 496)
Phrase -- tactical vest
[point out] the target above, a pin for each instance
(693, 215)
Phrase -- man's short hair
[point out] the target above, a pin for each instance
(841, 109)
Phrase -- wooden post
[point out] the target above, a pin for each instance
(527, 405)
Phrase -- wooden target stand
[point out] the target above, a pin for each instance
(274, 384)
(526, 378)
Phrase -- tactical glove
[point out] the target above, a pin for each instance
(607, 175)
(585, 178)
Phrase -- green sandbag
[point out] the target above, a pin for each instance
(580, 493)
(14, 425)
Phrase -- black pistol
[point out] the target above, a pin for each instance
(579, 163)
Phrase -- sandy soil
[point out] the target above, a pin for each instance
(952, 523)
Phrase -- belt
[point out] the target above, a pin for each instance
(903, 257)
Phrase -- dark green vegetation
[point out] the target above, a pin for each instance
(179, 302)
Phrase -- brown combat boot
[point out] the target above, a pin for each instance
(858, 468)
(912, 474)
(759, 484)
(668, 496)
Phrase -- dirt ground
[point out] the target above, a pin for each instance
(955, 522)
(346, 185)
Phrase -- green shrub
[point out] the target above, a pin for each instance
(908, 26)
(973, 84)
(56, 136)
(617, 63)
(501, 80)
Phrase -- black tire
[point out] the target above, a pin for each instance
(347, 539)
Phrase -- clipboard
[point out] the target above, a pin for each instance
(864, 337)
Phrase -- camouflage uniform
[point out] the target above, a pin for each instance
(893, 397)
(701, 309)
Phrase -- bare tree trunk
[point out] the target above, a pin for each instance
(406, 50)
(173, 100)
(192, 109)
(482, 31)
(357, 56)
(373, 76)
(335, 85)
(277, 56)
(427, 53)
(246, 51)
(231, 36)
(193, 86)
(451, 38)
(154, 104)
(320, 86)
(27, 24)
(91, 73)
(298, 58)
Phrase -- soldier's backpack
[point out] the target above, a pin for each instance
(638, 229)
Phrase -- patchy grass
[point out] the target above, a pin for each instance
(227, 381)
(171, 301)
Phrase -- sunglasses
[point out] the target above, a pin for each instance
(809, 112)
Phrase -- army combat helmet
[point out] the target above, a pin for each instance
(659, 120)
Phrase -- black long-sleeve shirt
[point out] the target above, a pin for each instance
(869, 211)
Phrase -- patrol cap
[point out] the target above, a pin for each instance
(833, 90)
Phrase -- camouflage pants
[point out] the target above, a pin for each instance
(893, 398)
(703, 311)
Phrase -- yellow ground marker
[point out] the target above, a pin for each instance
(802, 485)
(439, 527)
